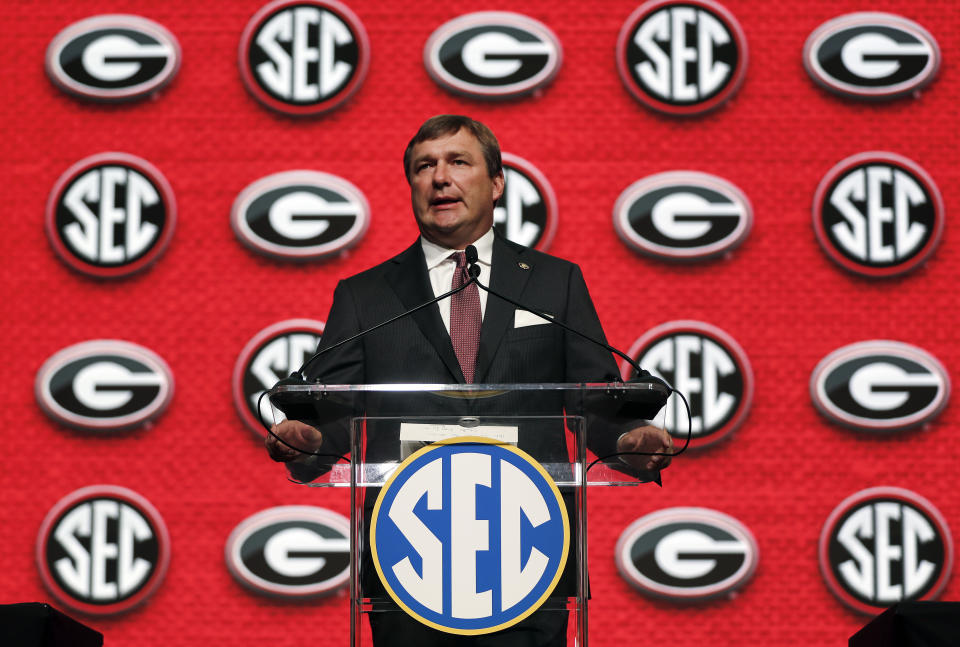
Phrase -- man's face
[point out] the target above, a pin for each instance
(451, 191)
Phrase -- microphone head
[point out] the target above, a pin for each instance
(470, 254)
(474, 271)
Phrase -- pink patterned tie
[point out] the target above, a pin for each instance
(465, 319)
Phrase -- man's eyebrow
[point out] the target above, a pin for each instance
(428, 156)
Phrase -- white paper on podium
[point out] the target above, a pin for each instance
(414, 435)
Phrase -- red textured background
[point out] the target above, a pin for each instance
(778, 295)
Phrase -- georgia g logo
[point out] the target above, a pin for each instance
(103, 550)
(469, 536)
(687, 554)
(113, 58)
(683, 215)
(272, 354)
(871, 55)
(292, 551)
(110, 215)
(304, 57)
(682, 57)
(300, 215)
(878, 214)
(884, 545)
(880, 386)
(492, 55)
(104, 385)
(705, 364)
(527, 212)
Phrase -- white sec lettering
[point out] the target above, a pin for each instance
(428, 588)
(468, 535)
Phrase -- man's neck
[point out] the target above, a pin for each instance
(435, 253)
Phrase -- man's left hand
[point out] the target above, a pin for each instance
(647, 439)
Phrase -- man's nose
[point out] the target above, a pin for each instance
(441, 175)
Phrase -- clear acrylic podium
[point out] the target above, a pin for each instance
(370, 429)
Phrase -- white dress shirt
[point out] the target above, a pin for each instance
(440, 267)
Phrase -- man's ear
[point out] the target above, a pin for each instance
(498, 183)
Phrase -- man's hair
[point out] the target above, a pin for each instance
(441, 125)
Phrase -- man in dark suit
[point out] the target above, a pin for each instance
(454, 169)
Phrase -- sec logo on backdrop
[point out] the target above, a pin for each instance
(469, 536)
(110, 215)
(878, 214)
(527, 211)
(871, 55)
(113, 57)
(271, 355)
(300, 215)
(104, 385)
(304, 57)
(687, 554)
(683, 215)
(880, 386)
(708, 367)
(884, 545)
(493, 55)
(294, 551)
(103, 550)
(682, 57)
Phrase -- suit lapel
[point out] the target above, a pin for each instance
(509, 280)
(412, 285)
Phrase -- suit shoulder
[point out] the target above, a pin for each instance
(377, 272)
(540, 259)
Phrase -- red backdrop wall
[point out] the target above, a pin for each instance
(786, 303)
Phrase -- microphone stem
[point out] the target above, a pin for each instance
(340, 343)
(610, 348)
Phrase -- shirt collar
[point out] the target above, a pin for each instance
(435, 254)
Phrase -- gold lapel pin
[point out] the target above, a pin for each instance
(523, 266)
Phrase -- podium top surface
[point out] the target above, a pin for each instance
(653, 387)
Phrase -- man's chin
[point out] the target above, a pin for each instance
(446, 221)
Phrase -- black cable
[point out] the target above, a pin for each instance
(686, 442)
(339, 457)
(474, 279)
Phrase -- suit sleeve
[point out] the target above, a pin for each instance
(345, 364)
(588, 362)
(585, 361)
(342, 365)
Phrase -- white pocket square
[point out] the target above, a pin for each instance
(523, 318)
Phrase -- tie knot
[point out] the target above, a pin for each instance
(460, 258)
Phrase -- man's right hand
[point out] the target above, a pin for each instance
(295, 433)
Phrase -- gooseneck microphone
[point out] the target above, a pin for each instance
(333, 410)
(297, 376)
(471, 256)
(630, 404)
(473, 269)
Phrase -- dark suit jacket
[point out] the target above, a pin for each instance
(417, 348)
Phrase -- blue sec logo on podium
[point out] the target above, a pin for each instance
(469, 536)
